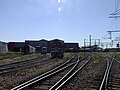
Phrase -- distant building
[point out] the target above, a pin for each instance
(71, 46)
(38, 44)
(33, 43)
(16, 46)
(3, 47)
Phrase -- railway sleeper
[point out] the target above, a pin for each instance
(115, 86)
(115, 83)
(44, 88)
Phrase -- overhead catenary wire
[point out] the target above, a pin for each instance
(115, 15)
(117, 4)
(114, 24)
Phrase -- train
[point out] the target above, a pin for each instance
(57, 48)
(28, 49)
(44, 50)
(71, 47)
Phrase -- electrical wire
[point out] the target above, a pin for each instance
(114, 23)
(117, 5)
(117, 2)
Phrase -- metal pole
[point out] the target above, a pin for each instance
(95, 42)
(110, 35)
(84, 43)
(90, 42)
(99, 42)
(118, 45)
(84, 46)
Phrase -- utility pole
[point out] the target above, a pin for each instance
(115, 15)
(97, 41)
(110, 32)
(90, 42)
(84, 44)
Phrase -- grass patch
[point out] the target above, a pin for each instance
(82, 54)
(18, 57)
(67, 55)
(9, 55)
(96, 58)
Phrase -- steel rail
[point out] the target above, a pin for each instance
(14, 66)
(44, 75)
(107, 77)
(59, 85)
(114, 59)
(39, 79)
(20, 63)
(11, 68)
(17, 62)
(104, 82)
(54, 86)
(117, 60)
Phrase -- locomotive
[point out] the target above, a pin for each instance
(57, 48)
(44, 50)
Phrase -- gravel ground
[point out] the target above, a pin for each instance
(10, 80)
(49, 82)
(89, 77)
(114, 80)
(13, 67)
(117, 56)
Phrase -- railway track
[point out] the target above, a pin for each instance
(111, 79)
(87, 78)
(72, 72)
(49, 78)
(6, 68)
(114, 77)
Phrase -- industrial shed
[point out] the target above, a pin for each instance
(38, 44)
(16, 46)
(33, 43)
(3, 47)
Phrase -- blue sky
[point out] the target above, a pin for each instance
(69, 20)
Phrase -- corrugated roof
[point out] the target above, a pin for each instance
(3, 42)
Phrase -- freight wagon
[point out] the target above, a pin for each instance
(71, 47)
(28, 49)
(38, 49)
(57, 48)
